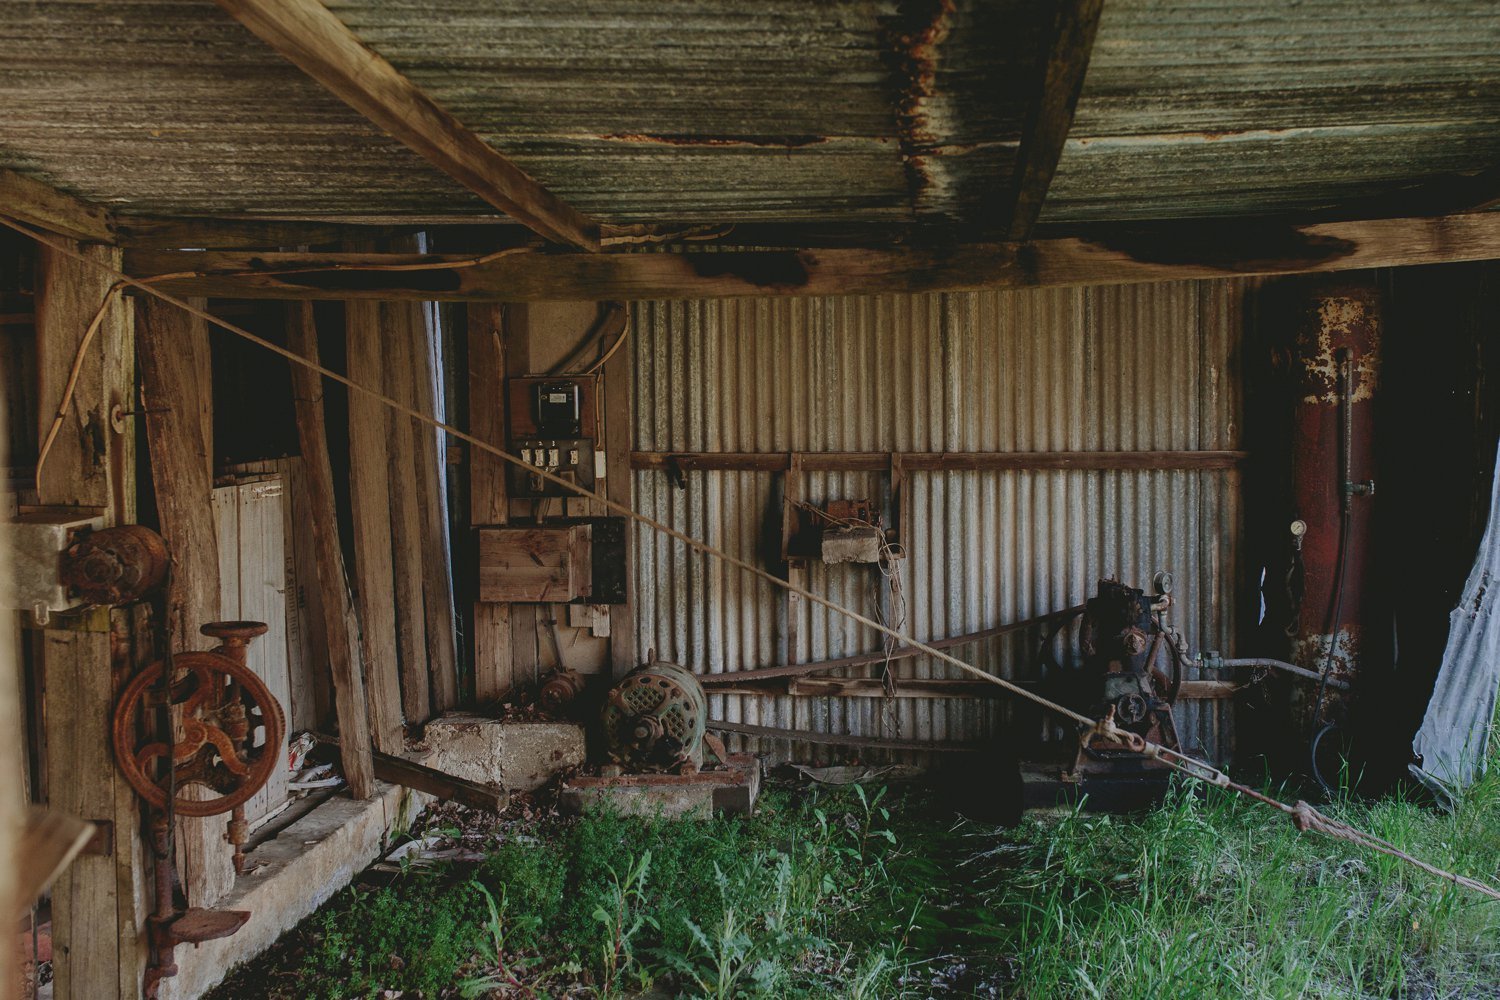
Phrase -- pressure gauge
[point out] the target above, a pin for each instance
(1163, 582)
(1298, 528)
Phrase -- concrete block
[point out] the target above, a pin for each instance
(519, 756)
(298, 871)
(699, 796)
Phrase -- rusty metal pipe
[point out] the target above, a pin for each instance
(1256, 662)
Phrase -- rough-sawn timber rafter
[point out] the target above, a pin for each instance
(1116, 255)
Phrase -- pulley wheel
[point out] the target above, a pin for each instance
(229, 728)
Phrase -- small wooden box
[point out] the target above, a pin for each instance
(521, 565)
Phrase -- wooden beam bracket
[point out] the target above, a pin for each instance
(313, 39)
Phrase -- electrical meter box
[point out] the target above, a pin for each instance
(553, 425)
(556, 409)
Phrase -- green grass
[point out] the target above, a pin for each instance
(857, 893)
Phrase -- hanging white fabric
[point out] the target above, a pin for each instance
(1457, 727)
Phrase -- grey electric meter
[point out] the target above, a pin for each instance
(557, 409)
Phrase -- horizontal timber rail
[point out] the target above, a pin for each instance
(933, 461)
(942, 687)
(1115, 254)
(839, 739)
(756, 674)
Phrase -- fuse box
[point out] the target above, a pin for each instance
(553, 425)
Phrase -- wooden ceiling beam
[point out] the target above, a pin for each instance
(34, 203)
(1049, 116)
(314, 40)
(1115, 255)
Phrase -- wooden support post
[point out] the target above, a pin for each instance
(517, 339)
(339, 624)
(370, 502)
(618, 437)
(98, 944)
(437, 579)
(489, 498)
(177, 396)
(177, 399)
(395, 338)
(796, 571)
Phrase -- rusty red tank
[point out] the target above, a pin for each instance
(1336, 361)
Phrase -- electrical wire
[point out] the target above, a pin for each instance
(71, 385)
(1303, 815)
(619, 342)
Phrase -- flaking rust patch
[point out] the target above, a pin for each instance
(1338, 318)
(913, 40)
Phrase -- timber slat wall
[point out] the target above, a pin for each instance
(97, 901)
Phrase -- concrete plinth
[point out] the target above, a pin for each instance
(297, 872)
(732, 790)
(518, 756)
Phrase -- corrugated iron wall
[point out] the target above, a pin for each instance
(1143, 367)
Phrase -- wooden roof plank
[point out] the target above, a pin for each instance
(314, 40)
(1050, 114)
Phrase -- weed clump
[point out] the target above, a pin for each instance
(412, 936)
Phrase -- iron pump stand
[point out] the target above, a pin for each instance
(1133, 666)
(192, 720)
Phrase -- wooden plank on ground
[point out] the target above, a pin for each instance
(340, 627)
(445, 786)
(313, 39)
(370, 503)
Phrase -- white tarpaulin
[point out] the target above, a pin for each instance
(1456, 729)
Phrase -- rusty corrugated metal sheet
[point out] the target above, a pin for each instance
(877, 111)
(1121, 368)
(1221, 107)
